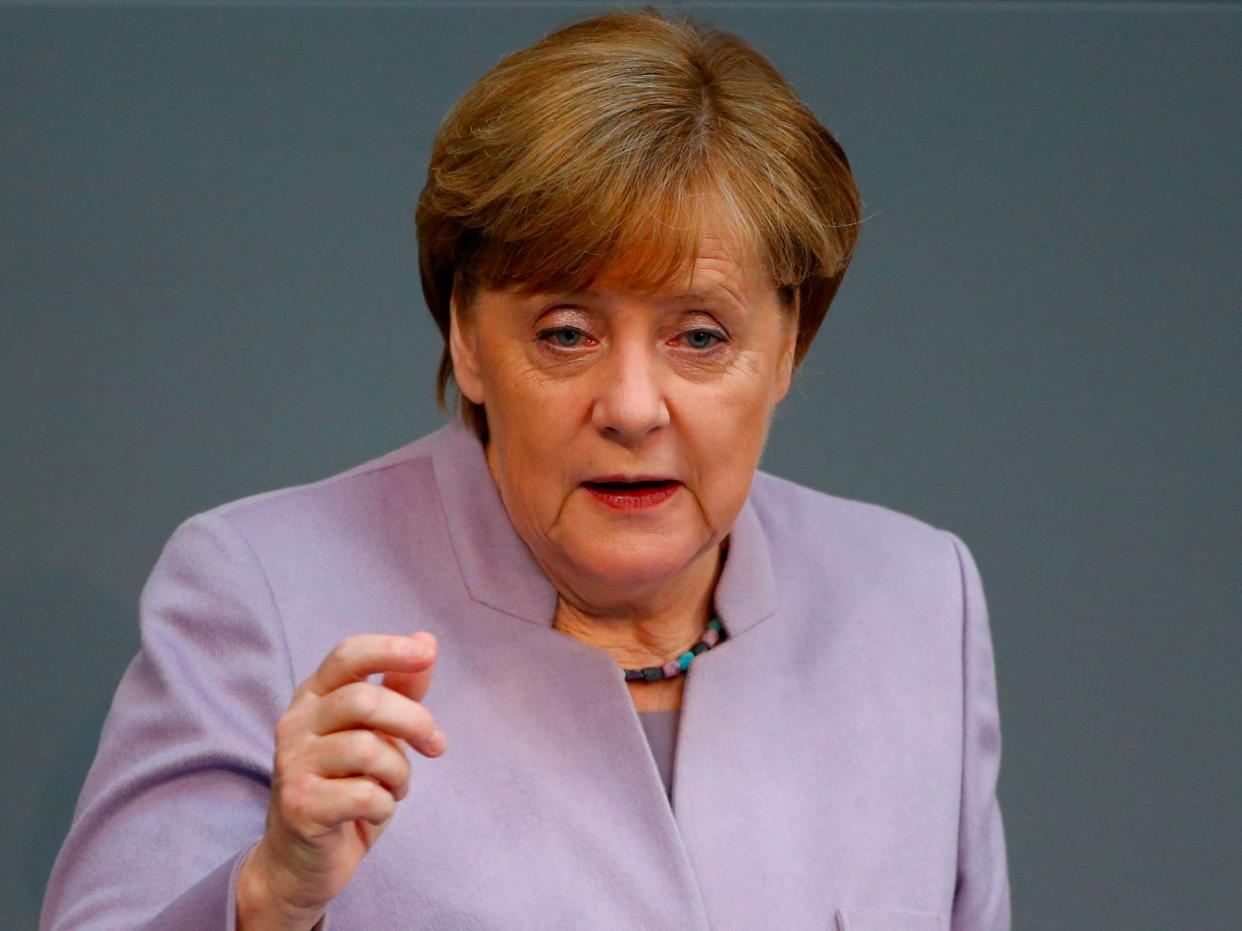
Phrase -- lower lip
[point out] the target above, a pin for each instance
(637, 500)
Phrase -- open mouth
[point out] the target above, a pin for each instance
(629, 487)
(633, 495)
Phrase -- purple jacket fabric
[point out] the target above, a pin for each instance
(837, 759)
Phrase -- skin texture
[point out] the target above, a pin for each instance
(611, 381)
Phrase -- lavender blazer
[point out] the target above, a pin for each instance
(836, 767)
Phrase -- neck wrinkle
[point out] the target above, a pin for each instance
(645, 641)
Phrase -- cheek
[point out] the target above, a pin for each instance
(740, 403)
(536, 423)
(517, 387)
(532, 423)
(725, 425)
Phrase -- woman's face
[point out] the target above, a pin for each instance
(625, 427)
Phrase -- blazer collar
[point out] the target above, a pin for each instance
(499, 570)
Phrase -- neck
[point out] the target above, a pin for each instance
(651, 632)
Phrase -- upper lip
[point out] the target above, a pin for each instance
(618, 479)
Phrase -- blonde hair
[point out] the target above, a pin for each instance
(604, 140)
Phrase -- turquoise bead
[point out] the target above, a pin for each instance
(714, 622)
(685, 660)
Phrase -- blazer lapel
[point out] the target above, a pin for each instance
(497, 567)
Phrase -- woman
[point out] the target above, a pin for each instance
(629, 235)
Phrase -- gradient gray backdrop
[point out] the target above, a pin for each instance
(209, 289)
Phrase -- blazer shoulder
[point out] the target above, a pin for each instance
(880, 566)
(347, 500)
(819, 539)
(807, 514)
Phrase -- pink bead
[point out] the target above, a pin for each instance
(671, 669)
(711, 636)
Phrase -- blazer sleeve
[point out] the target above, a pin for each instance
(981, 897)
(178, 791)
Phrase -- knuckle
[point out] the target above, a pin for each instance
(304, 692)
(287, 728)
(366, 795)
(426, 724)
(285, 761)
(403, 768)
(381, 803)
(414, 716)
(345, 651)
(365, 748)
(363, 699)
(295, 802)
(418, 712)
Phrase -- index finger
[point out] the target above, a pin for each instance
(357, 657)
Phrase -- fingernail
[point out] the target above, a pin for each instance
(439, 741)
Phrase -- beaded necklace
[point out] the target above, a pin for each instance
(714, 634)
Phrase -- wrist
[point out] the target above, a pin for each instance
(260, 907)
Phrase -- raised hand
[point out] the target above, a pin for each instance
(340, 769)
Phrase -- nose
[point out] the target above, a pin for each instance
(630, 401)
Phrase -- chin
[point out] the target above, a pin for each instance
(639, 564)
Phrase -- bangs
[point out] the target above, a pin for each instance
(641, 226)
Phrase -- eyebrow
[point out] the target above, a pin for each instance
(698, 297)
(711, 296)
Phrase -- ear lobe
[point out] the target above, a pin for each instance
(464, 352)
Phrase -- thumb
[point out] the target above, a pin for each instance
(415, 684)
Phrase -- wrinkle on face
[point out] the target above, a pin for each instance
(548, 432)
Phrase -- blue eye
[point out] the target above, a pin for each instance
(564, 336)
(702, 339)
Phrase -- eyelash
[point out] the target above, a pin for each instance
(717, 337)
(546, 337)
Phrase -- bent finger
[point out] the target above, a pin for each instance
(362, 753)
(415, 684)
(353, 798)
(355, 658)
(366, 705)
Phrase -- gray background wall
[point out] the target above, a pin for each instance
(208, 290)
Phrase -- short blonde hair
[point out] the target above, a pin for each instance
(600, 141)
